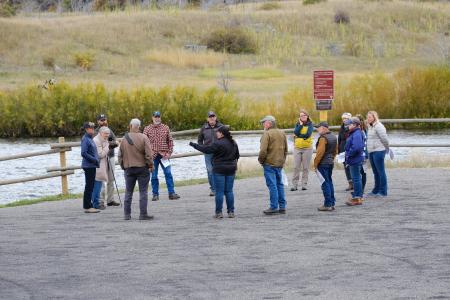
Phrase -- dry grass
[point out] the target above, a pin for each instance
(295, 39)
(186, 59)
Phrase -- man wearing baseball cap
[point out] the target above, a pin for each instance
(207, 137)
(272, 156)
(89, 164)
(326, 151)
(108, 190)
(162, 146)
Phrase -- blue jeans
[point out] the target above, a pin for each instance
(167, 175)
(377, 162)
(96, 193)
(209, 169)
(224, 186)
(274, 182)
(327, 186)
(355, 171)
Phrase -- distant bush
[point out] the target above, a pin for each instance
(270, 6)
(48, 61)
(84, 60)
(234, 41)
(341, 17)
(7, 9)
(101, 5)
(308, 2)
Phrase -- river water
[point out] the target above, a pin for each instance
(182, 168)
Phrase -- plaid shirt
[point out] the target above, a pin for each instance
(160, 139)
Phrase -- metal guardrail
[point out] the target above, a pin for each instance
(62, 147)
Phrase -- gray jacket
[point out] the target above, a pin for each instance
(377, 139)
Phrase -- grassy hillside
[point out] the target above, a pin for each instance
(145, 48)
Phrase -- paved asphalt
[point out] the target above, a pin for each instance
(394, 248)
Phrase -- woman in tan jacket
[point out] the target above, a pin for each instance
(101, 174)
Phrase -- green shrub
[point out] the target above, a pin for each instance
(62, 109)
(308, 2)
(270, 6)
(7, 9)
(84, 60)
(233, 41)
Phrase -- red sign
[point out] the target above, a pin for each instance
(323, 89)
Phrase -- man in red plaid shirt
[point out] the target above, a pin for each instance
(162, 147)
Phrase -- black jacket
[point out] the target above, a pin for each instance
(342, 138)
(207, 136)
(225, 155)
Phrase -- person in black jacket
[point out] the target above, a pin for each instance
(206, 137)
(342, 138)
(225, 156)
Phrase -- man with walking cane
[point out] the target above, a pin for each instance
(108, 190)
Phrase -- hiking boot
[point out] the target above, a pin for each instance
(282, 211)
(271, 211)
(304, 188)
(293, 189)
(91, 210)
(218, 216)
(231, 215)
(350, 187)
(353, 202)
(127, 217)
(113, 203)
(212, 194)
(155, 198)
(174, 196)
(145, 217)
(325, 208)
(102, 207)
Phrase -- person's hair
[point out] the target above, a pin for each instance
(346, 115)
(362, 121)
(374, 114)
(135, 123)
(308, 120)
(104, 129)
(225, 130)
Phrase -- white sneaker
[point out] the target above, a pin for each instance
(91, 210)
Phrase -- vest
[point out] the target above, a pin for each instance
(330, 148)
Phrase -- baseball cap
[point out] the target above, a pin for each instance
(267, 118)
(211, 113)
(321, 124)
(354, 120)
(101, 116)
(87, 125)
(156, 114)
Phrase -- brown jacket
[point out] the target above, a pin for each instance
(137, 155)
(273, 149)
(321, 150)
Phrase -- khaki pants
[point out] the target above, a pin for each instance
(302, 161)
(108, 189)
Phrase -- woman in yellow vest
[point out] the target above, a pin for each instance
(303, 142)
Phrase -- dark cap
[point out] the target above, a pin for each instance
(211, 114)
(321, 124)
(354, 120)
(87, 125)
(101, 116)
(156, 114)
(224, 129)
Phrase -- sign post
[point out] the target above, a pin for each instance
(323, 92)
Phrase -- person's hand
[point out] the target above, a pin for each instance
(150, 168)
(387, 151)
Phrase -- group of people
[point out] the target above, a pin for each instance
(141, 154)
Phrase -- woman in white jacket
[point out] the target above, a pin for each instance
(377, 146)
(101, 174)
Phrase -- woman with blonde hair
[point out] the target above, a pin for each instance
(303, 149)
(377, 146)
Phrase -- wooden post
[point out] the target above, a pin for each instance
(323, 116)
(62, 161)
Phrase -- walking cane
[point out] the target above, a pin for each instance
(114, 177)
